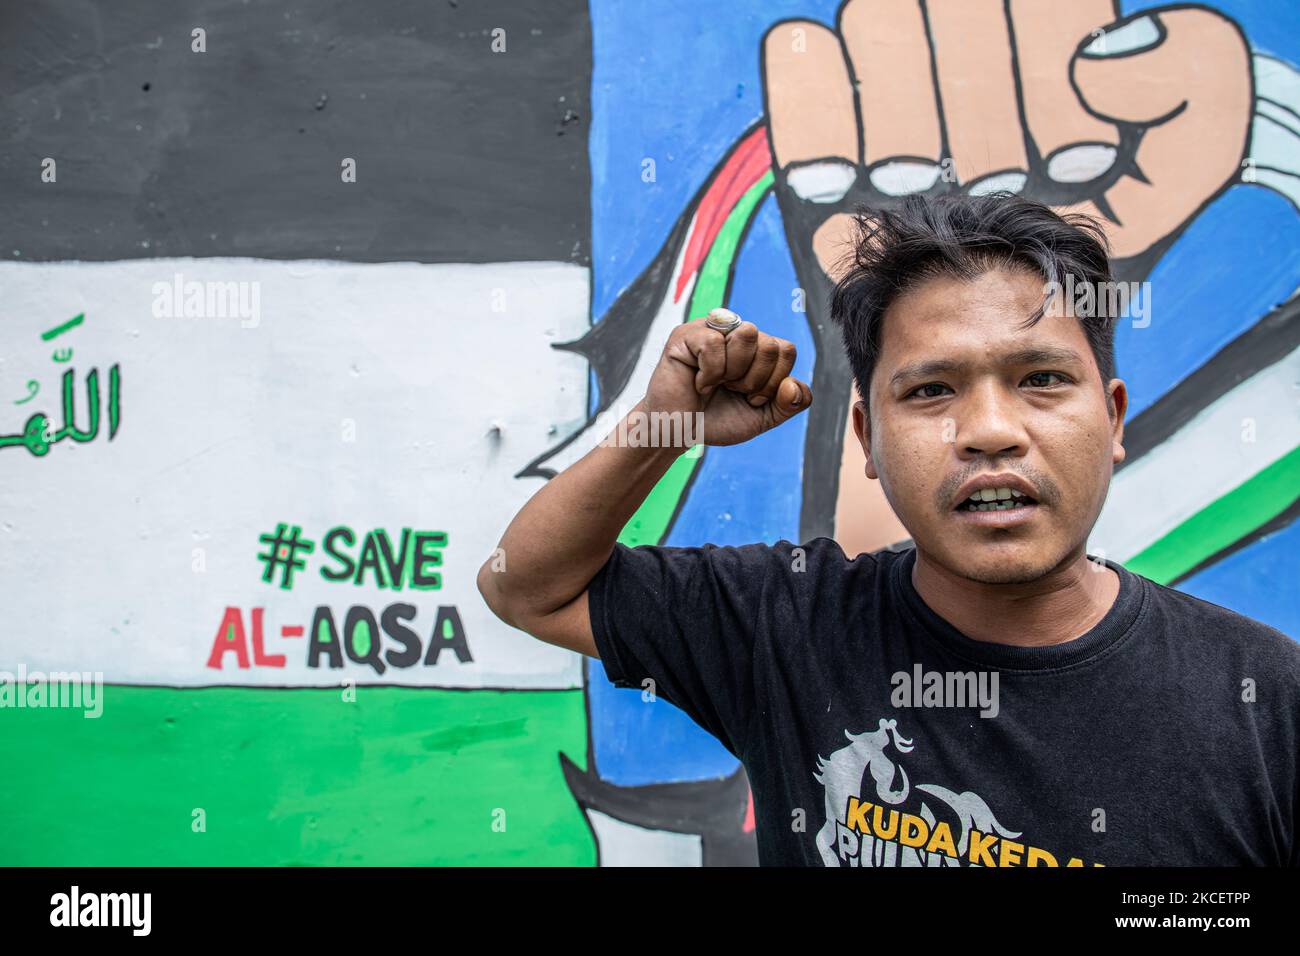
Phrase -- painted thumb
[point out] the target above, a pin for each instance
(1146, 67)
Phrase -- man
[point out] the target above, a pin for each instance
(991, 696)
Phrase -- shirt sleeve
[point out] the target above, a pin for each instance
(686, 619)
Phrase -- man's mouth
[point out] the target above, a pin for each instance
(997, 499)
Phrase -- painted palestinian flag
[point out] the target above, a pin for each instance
(322, 261)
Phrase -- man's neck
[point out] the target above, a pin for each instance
(1063, 604)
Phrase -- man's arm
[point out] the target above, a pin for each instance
(537, 579)
(561, 538)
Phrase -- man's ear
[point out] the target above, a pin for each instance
(862, 428)
(1117, 406)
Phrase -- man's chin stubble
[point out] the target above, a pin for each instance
(1023, 569)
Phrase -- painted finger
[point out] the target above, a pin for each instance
(809, 101)
(1074, 145)
(889, 54)
(977, 87)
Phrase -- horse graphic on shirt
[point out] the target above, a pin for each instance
(842, 775)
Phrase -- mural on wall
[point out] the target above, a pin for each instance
(341, 389)
(1151, 119)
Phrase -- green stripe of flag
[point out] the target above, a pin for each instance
(288, 777)
(1221, 523)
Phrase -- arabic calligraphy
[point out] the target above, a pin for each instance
(38, 434)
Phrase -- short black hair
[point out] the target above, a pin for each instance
(964, 237)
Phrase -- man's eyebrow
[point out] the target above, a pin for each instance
(1032, 355)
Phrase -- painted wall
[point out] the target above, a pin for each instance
(269, 410)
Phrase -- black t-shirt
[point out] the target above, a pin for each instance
(1166, 735)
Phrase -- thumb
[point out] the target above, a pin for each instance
(792, 397)
(1185, 74)
(1148, 66)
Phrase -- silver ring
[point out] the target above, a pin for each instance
(722, 320)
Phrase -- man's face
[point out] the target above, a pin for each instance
(995, 400)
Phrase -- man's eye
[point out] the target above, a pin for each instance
(917, 392)
(1044, 384)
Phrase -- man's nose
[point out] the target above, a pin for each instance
(989, 422)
